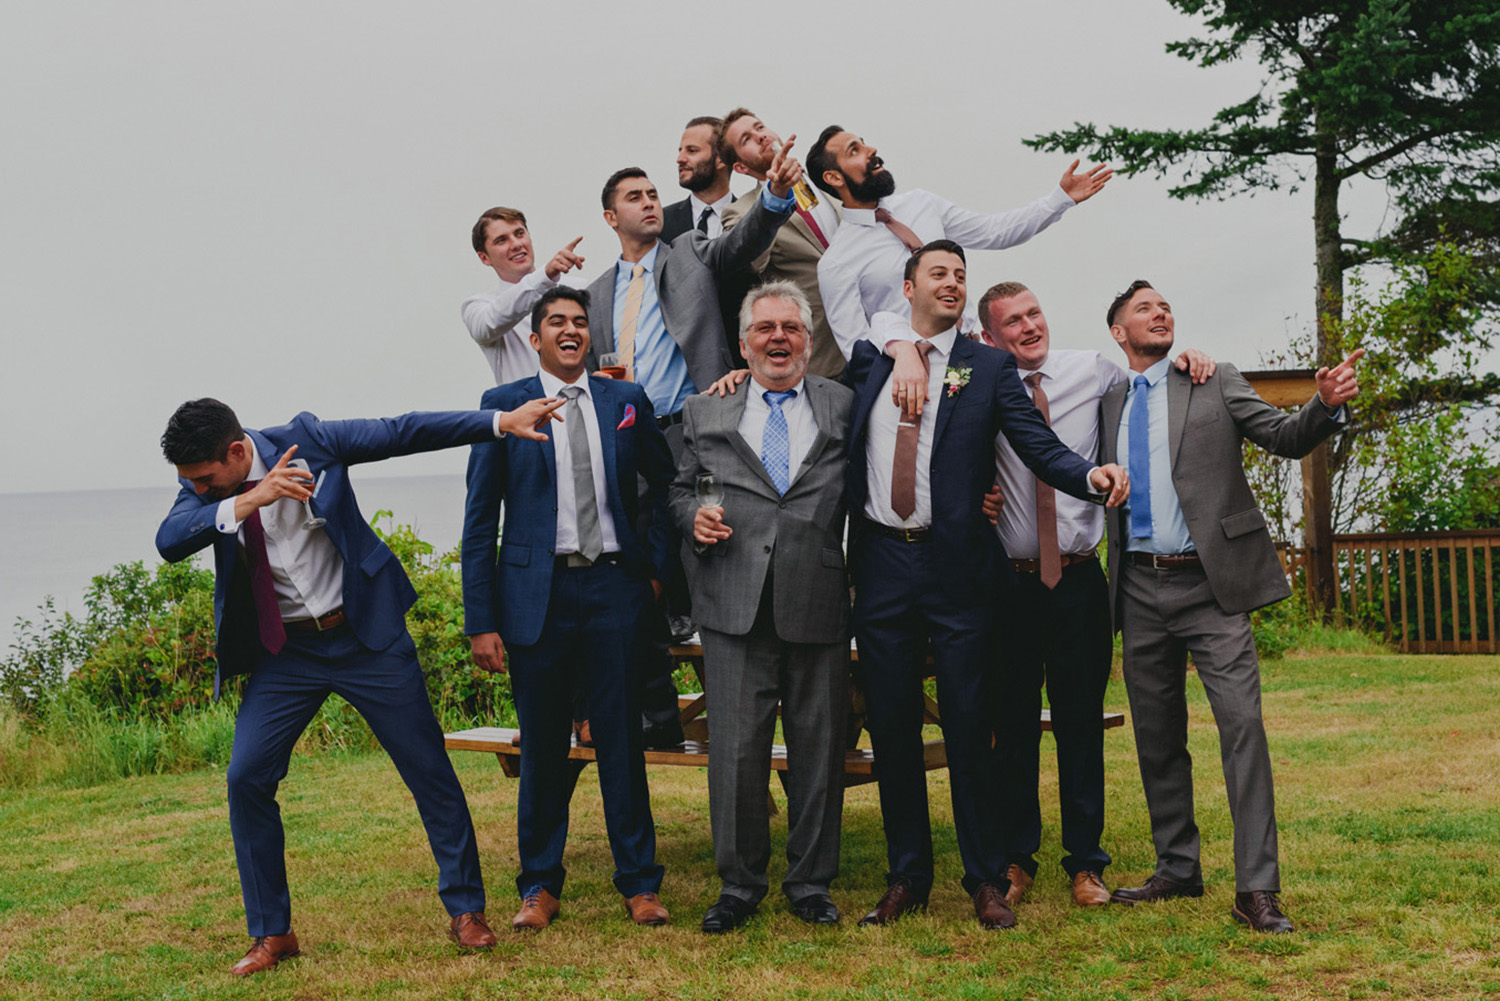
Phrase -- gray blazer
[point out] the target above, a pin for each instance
(1205, 427)
(687, 291)
(803, 531)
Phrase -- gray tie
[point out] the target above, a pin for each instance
(586, 503)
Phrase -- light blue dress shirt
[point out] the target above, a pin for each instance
(1169, 531)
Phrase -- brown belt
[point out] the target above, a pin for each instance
(1068, 559)
(332, 620)
(1176, 561)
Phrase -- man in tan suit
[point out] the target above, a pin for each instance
(749, 147)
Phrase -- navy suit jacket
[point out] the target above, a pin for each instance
(963, 458)
(376, 591)
(508, 593)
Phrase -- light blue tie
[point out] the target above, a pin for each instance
(775, 445)
(1140, 461)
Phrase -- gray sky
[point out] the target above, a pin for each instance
(270, 203)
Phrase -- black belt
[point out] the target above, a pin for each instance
(1068, 559)
(332, 620)
(565, 560)
(900, 534)
(1159, 561)
(669, 420)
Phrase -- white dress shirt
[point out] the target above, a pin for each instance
(1074, 382)
(716, 213)
(567, 500)
(801, 425)
(500, 323)
(861, 271)
(880, 442)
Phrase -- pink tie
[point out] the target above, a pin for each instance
(904, 468)
(902, 231)
(1046, 502)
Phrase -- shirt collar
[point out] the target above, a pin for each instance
(698, 206)
(649, 261)
(760, 391)
(1155, 374)
(552, 385)
(942, 343)
(258, 467)
(866, 217)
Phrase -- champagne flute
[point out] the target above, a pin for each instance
(710, 490)
(312, 522)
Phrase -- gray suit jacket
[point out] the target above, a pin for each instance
(687, 291)
(1205, 427)
(803, 531)
(794, 257)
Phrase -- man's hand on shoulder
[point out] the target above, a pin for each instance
(488, 652)
(726, 384)
(1199, 366)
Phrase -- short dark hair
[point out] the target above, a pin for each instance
(715, 124)
(818, 159)
(1000, 290)
(916, 255)
(556, 292)
(498, 213)
(726, 151)
(200, 431)
(1124, 297)
(623, 174)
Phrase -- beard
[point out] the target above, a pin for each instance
(702, 177)
(873, 188)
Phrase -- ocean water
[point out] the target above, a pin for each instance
(55, 543)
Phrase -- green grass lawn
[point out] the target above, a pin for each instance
(1388, 782)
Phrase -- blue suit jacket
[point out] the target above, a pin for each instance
(376, 591)
(508, 593)
(963, 457)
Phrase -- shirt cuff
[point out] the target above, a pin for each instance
(495, 424)
(537, 280)
(1090, 481)
(1339, 414)
(224, 517)
(1060, 200)
(780, 206)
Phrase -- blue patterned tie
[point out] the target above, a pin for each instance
(1140, 461)
(775, 445)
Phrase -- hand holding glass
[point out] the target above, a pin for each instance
(710, 491)
(311, 522)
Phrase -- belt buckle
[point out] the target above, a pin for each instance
(1156, 562)
(909, 534)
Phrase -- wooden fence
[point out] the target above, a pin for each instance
(1430, 592)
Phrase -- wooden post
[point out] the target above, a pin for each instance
(1317, 518)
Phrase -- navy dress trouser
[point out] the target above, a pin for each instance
(386, 688)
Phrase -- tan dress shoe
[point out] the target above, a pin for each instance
(471, 931)
(267, 951)
(1089, 890)
(647, 909)
(538, 908)
(1020, 882)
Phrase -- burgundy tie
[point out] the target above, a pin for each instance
(902, 231)
(812, 224)
(904, 468)
(1046, 502)
(267, 611)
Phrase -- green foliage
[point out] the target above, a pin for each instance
(40, 657)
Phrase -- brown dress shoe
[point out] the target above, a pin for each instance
(471, 931)
(1261, 910)
(991, 909)
(1089, 890)
(647, 909)
(538, 908)
(1020, 882)
(1156, 888)
(899, 899)
(267, 951)
(583, 732)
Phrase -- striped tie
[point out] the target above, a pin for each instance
(625, 343)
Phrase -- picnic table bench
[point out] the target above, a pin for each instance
(859, 762)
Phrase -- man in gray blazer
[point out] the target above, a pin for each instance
(1190, 557)
(771, 596)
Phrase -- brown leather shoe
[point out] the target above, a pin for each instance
(267, 951)
(1089, 890)
(899, 899)
(1020, 882)
(1261, 910)
(582, 731)
(471, 931)
(538, 908)
(991, 909)
(1156, 888)
(647, 909)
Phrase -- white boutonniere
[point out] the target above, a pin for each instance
(956, 379)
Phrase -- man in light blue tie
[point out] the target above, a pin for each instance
(771, 596)
(1187, 565)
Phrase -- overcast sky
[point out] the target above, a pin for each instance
(270, 203)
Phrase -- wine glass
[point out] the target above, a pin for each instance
(710, 490)
(311, 522)
(609, 364)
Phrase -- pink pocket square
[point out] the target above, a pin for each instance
(629, 419)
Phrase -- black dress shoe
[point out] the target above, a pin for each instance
(662, 736)
(727, 914)
(816, 909)
(1156, 888)
(899, 899)
(1261, 910)
(681, 627)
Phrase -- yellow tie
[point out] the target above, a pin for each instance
(625, 343)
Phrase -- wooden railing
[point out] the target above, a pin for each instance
(1431, 592)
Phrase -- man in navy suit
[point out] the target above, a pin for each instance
(312, 608)
(928, 566)
(563, 596)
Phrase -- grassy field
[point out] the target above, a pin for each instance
(1388, 781)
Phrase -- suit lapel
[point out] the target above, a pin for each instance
(963, 349)
(1113, 408)
(1178, 392)
(549, 451)
(868, 391)
(608, 412)
(818, 400)
(730, 414)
